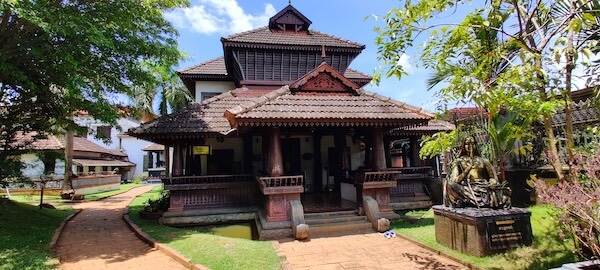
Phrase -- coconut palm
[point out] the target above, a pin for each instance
(167, 86)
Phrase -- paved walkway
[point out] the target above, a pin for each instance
(98, 238)
(362, 251)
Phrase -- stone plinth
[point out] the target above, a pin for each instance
(481, 232)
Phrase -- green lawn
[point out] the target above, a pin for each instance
(25, 235)
(547, 251)
(33, 198)
(212, 251)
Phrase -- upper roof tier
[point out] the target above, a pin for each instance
(263, 37)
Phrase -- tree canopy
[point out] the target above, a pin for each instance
(57, 57)
(505, 54)
(60, 56)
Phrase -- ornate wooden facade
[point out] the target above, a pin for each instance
(298, 122)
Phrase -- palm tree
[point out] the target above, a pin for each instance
(167, 86)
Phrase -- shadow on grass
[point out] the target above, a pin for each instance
(212, 251)
(25, 234)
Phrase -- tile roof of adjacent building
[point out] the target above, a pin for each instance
(154, 147)
(34, 141)
(84, 145)
(264, 35)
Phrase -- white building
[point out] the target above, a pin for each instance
(99, 133)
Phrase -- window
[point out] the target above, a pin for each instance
(207, 95)
(49, 164)
(103, 132)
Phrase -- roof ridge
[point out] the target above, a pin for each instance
(400, 104)
(357, 71)
(201, 64)
(218, 97)
(340, 38)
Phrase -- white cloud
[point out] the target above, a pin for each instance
(404, 61)
(218, 16)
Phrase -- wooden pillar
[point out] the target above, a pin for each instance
(415, 161)
(167, 160)
(247, 141)
(339, 140)
(177, 160)
(318, 170)
(386, 149)
(378, 156)
(275, 159)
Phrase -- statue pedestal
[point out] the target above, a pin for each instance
(481, 232)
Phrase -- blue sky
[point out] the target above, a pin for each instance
(203, 24)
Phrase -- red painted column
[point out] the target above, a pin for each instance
(177, 160)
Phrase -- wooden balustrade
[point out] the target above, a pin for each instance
(189, 192)
(281, 184)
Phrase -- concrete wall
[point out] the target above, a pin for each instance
(34, 167)
(212, 86)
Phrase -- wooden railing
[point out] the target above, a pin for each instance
(281, 184)
(189, 192)
(207, 179)
(381, 179)
(411, 181)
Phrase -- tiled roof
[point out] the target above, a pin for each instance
(582, 113)
(432, 126)
(31, 140)
(313, 38)
(466, 114)
(154, 147)
(352, 74)
(328, 109)
(211, 67)
(101, 162)
(196, 118)
(84, 145)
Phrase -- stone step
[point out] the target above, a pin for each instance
(354, 226)
(331, 214)
(333, 219)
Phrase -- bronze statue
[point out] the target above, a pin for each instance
(473, 181)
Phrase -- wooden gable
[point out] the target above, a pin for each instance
(289, 19)
(324, 79)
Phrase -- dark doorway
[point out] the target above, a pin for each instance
(290, 153)
(220, 162)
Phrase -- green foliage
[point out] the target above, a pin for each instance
(160, 204)
(438, 144)
(214, 252)
(57, 57)
(25, 234)
(547, 251)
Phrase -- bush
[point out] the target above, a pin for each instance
(578, 199)
(137, 180)
(160, 204)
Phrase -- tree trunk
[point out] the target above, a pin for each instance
(67, 186)
(569, 55)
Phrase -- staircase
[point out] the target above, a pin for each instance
(336, 222)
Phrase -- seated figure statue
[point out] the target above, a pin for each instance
(473, 181)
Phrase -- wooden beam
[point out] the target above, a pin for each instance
(378, 156)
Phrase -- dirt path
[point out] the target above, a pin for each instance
(98, 238)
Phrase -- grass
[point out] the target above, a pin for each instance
(547, 250)
(25, 235)
(35, 198)
(212, 251)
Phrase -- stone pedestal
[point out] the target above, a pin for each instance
(481, 232)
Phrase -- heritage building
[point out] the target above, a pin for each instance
(282, 133)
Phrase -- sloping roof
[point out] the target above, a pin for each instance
(154, 147)
(101, 162)
(287, 14)
(582, 113)
(195, 119)
(84, 145)
(432, 126)
(264, 35)
(466, 114)
(211, 67)
(33, 141)
(364, 109)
